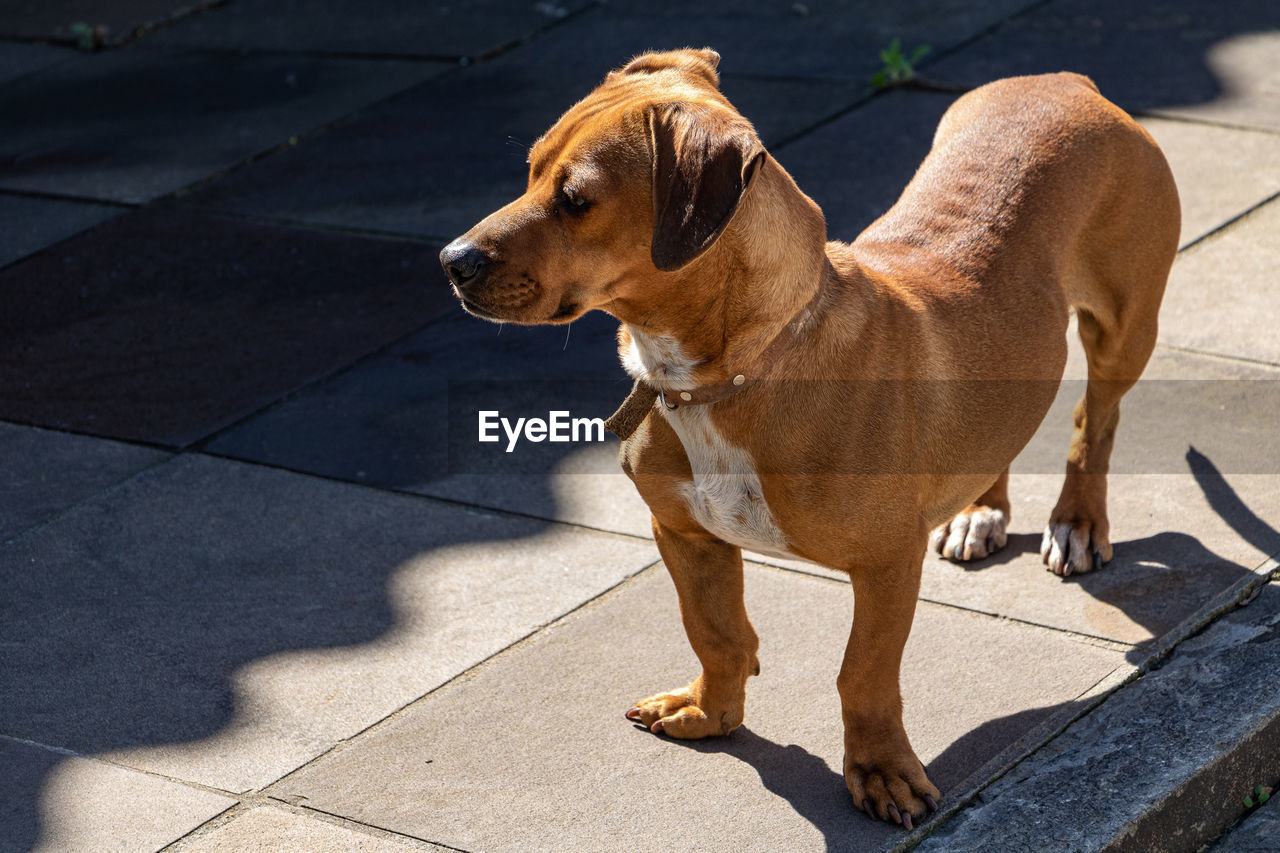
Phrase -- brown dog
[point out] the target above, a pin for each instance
(904, 371)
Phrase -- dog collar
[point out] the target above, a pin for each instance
(636, 407)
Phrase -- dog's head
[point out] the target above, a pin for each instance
(627, 190)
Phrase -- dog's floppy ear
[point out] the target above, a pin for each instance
(703, 161)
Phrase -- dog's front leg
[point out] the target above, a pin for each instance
(881, 769)
(708, 578)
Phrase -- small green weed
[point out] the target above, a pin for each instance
(898, 67)
(88, 37)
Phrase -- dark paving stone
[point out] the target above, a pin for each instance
(28, 224)
(397, 27)
(436, 160)
(46, 472)
(818, 39)
(856, 167)
(165, 325)
(131, 125)
(19, 60)
(407, 418)
(1212, 61)
(52, 19)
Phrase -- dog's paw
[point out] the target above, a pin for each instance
(1073, 548)
(679, 715)
(889, 784)
(971, 535)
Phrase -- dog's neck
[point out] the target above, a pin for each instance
(717, 316)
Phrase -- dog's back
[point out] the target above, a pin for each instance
(1028, 155)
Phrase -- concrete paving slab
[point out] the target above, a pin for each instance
(53, 801)
(437, 159)
(1244, 65)
(53, 19)
(166, 325)
(272, 828)
(1220, 171)
(1162, 764)
(47, 472)
(1211, 63)
(391, 27)
(224, 623)
(29, 224)
(549, 763)
(1220, 299)
(146, 123)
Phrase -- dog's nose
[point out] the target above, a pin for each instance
(463, 263)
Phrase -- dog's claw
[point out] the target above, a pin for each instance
(1068, 550)
(906, 821)
(895, 814)
(866, 807)
(633, 714)
(656, 728)
(931, 803)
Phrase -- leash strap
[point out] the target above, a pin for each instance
(633, 411)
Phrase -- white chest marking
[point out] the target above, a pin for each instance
(725, 496)
(656, 359)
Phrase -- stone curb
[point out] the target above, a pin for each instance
(1163, 764)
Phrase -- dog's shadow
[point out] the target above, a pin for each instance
(808, 784)
(818, 794)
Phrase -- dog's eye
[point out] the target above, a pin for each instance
(572, 201)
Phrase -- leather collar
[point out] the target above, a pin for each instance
(636, 407)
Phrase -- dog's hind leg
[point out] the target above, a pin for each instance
(1077, 538)
(981, 529)
(1118, 328)
(708, 576)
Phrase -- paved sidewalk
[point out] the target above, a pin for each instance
(261, 589)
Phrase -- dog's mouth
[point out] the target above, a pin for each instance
(567, 312)
(475, 310)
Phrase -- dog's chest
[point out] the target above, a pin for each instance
(725, 496)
